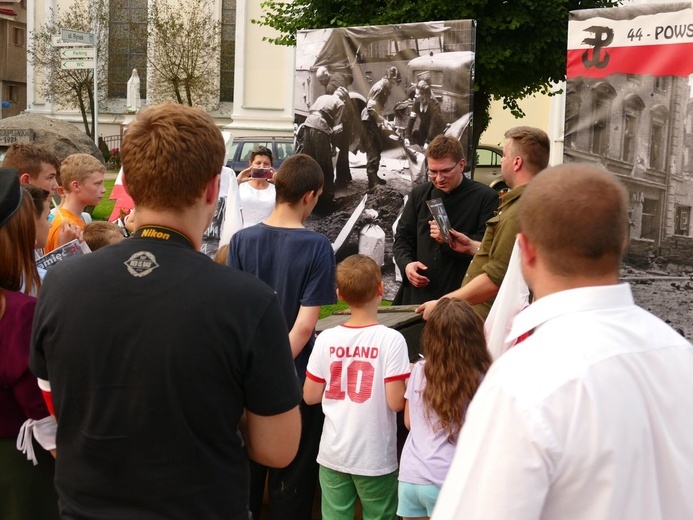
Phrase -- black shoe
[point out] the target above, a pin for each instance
(374, 180)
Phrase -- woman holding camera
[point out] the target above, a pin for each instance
(255, 187)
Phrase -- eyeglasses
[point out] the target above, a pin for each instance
(445, 171)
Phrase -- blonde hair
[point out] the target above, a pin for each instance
(358, 279)
(78, 167)
(99, 234)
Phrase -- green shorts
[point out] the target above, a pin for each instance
(378, 495)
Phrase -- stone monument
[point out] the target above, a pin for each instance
(133, 98)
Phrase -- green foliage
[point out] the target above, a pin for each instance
(71, 88)
(521, 44)
(185, 50)
(105, 207)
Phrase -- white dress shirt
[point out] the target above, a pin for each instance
(589, 418)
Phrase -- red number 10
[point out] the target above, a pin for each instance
(359, 381)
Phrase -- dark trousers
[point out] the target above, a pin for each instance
(318, 145)
(291, 490)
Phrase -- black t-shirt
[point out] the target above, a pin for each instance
(153, 351)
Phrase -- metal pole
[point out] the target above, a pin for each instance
(96, 92)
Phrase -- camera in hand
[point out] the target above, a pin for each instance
(261, 173)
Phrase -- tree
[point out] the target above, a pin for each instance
(520, 44)
(185, 44)
(66, 87)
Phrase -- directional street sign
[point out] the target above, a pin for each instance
(77, 53)
(56, 41)
(77, 64)
(69, 35)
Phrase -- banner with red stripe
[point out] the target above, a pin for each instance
(631, 40)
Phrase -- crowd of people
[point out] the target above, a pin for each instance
(202, 390)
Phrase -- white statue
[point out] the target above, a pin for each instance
(133, 100)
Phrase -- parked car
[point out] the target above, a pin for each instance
(282, 147)
(487, 167)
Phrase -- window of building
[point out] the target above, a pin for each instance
(631, 122)
(12, 93)
(681, 220)
(657, 146)
(649, 219)
(127, 45)
(661, 83)
(603, 96)
(18, 36)
(228, 49)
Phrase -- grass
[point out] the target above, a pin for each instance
(105, 207)
(329, 310)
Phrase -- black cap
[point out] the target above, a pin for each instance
(11, 194)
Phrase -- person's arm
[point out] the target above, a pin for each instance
(303, 328)
(477, 291)
(407, 421)
(273, 440)
(502, 446)
(394, 394)
(404, 247)
(313, 390)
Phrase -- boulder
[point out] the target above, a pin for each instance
(60, 137)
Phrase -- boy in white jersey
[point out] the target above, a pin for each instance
(358, 371)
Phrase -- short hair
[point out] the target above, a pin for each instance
(298, 175)
(443, 146)
(261, 150)
(17, 242)
(28, 158)
(576, 216)
(424, 87)
(322, 73)
(222, 254)
(393, 73)
(39, 196)
(532, 144)
(99, 233)
(169, 154)
(78, 167)
(358, 279)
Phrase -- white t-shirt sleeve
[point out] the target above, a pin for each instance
(397, 363)
(315, 361)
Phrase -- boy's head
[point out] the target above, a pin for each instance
(81, 176)
(298, 175)
(100, 234)
(35, 165)
(42, 208)
(359, 280)
(169, 155)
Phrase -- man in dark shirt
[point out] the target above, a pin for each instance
(431, 269)
(162, 393)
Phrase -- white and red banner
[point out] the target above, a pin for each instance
(649, 39)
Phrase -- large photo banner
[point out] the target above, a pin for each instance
(367, 102)
(629, 108)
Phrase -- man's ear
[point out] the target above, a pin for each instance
(518, 162)
(381, 289)
(309, 197)
(529, 252)
(24, 178)
(212, 189)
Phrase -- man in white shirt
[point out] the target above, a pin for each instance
(591, 416)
